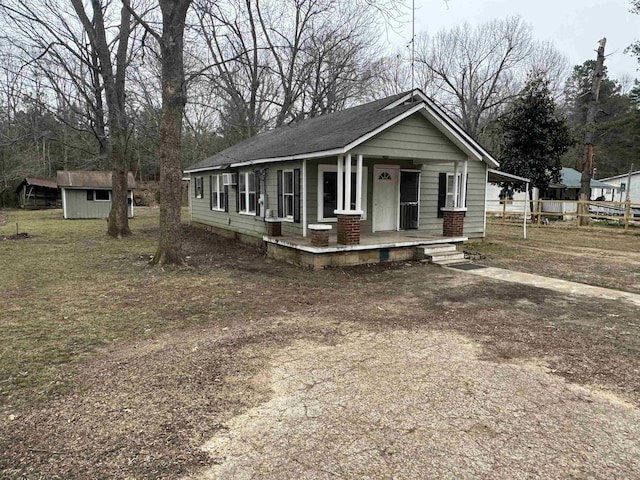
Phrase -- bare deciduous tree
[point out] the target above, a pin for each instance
(477, 70)
(77, 47)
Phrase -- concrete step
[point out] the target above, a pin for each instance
(438, 248)
(444, 263)
(446, 257)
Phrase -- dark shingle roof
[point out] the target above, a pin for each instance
(80, 179)
(317, 134)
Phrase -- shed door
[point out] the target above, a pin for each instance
(385, 197)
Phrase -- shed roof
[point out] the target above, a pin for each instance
(89, 179)
(338, 132)
(40, 182)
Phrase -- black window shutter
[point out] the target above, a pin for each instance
(442, 193)
(226, 198)
(256, 182)
(280, 206)
(296, 195)
(210, 192)
(90, 195)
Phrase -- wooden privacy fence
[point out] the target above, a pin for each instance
(622, 212)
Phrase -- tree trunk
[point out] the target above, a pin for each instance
(586, 163)
(173, 104)
(118, 216)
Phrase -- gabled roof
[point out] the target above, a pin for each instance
(339, 132)
(86, 179)
(570, 178)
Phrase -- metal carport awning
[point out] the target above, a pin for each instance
(495, 176)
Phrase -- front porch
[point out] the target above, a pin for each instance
(377, 247)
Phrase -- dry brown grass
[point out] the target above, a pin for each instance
(111, 368)
(603, 257)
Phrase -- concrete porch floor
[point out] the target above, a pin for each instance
(368, 241)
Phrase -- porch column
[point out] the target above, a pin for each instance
(340, 195)
(347, 182)
(453, 216)
(348, 218)
(456, 185)
(463, 188)
(359, 183)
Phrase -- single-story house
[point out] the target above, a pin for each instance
(38, 193)
(88, 194)
(625, 183)
(371, 183)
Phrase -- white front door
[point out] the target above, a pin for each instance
(385, 197)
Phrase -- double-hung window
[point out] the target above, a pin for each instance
(198, 187)
(247, 192)
(287, 194)
(453, 194)
(218, 193)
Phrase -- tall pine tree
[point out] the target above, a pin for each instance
(534, 138)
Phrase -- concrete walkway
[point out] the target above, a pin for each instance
(562, 286)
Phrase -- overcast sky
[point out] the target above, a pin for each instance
(574, 26)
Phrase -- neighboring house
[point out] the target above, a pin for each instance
(557, 197)
(385, 177)
(88, 194)
(38, 193)
(624, 184)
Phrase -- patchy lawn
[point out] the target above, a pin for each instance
(604, 257)
(110, 368)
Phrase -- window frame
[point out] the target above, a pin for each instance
(218, 193)
(250, 207)
(322, 168)
(288, 216)
(198, 187)
(449, 192)
(96, 199)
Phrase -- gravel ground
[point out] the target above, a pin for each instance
(421, 404)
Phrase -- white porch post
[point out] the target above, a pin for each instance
(456, 171)
(340, 203)
(304, 197)
(347, 182)
(359, 183)
(463, 188)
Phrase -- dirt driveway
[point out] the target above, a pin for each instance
(247, 368)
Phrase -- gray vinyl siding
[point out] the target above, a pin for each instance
(77, 205)
(288, 227)
(231, 220)
(476, 189)
(236, 221)
(414, 137)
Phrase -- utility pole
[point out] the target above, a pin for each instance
(586, 163)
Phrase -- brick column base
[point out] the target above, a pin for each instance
(274, 228)
(320, 238)
(348, 229)
(453, 223)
